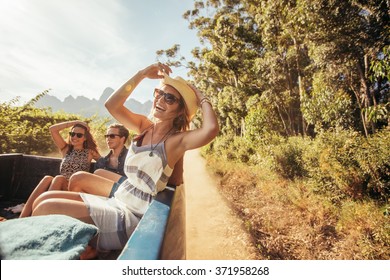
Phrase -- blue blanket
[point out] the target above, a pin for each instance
(44, 237)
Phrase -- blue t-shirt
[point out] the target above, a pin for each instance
(103, 162)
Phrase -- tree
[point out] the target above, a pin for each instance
(298, 55)
(25, 129)
(349, 35)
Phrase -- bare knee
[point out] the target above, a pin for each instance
(43, 207)
(44, 184)
(77, 181)
(47, 180)
(42, 197)
(99, 172)
(59, 183)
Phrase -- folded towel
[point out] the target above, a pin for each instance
(44, 237)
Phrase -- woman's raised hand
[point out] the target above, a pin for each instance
(156, 71)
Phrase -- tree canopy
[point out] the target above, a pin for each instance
(303, 65)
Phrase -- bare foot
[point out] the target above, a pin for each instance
(90, 253)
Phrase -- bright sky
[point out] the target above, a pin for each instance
(80, 47)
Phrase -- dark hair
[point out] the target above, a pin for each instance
(89, 143)
(123, 131)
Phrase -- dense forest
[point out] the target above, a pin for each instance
(301, 89)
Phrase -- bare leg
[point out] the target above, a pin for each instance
(107, 174)
(42, 187)
(60, 183)
(90, 183)
(55, 194)
(66, 203)
(62, 202)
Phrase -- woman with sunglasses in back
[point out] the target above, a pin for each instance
(160, 144)
(77, 153)
(111, 166)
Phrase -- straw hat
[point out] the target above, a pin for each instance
(190, 100)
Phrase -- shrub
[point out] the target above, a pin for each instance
(233, 148)
(365, 231)
(373, 158)
(288, 158)
(345, 164)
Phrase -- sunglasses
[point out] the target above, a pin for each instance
(112, 136)
(78, 134)
(168, 97)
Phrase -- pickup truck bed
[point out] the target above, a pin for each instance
(159, 235)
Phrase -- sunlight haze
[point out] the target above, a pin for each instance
(81, 47)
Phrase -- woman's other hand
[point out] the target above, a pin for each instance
(156, 71)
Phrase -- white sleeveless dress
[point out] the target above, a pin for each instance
(118, 216)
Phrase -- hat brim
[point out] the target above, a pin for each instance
(186, 92)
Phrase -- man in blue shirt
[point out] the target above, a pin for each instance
(116, 138)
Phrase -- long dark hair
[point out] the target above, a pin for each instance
(89, 143)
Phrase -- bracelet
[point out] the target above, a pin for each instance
(205, 100)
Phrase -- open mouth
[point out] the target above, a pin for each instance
(158, 108)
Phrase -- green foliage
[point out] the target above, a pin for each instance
(318, 63)
(338, 164)
(233, 148)
(332, 169)
(380, 78)
(380, 67)
(373, 158)
(288, 158)
(261, 119)
(344, 164)
(25, 129)
(327, 106)
(296, 85)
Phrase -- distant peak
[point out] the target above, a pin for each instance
(106, 93)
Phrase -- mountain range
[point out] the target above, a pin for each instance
(88, 107)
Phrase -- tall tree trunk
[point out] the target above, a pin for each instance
(360, 103)
(364, 92)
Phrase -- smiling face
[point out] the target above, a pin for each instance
(161, 107)
(74, 138)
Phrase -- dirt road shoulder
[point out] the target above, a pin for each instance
(213, 231)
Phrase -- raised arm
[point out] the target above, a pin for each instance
(115, 103)
(55, 132)
(208, 131)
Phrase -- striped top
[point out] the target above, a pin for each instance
(146, 176)
(117, 216)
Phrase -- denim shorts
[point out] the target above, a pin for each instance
(116, 185)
